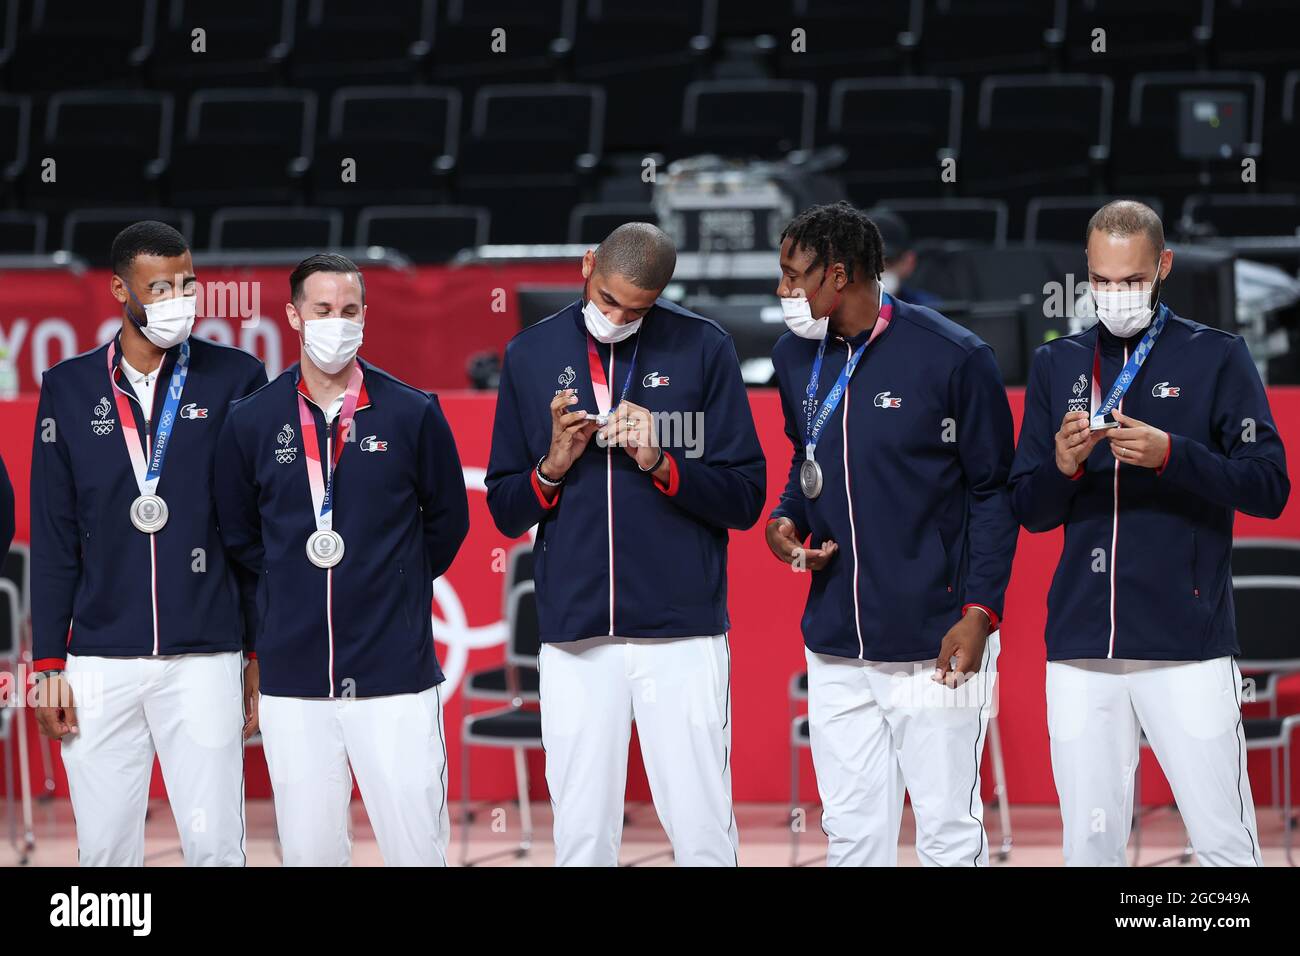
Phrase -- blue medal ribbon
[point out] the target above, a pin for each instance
(1131, 367)
(167, 421)
(814, 425)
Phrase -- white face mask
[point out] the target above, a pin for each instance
(602, 329)
(1126, 312)
(169, 322)
(331, 342)
(889, 282)
(799, 317)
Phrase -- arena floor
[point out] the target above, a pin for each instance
(764, 838)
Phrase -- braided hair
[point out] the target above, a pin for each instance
(838, 232)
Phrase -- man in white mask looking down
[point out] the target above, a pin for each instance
(347, 555)
(631, 548)
(1142, 436)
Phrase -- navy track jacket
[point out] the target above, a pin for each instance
(100, 587)
(361, 628)
(6, 510)
(616, 552)
(1145, 572)
(919, 508)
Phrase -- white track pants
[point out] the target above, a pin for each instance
(189, 710)
(397, 748)
(1191, 714)
(678, 691)
(880, 729)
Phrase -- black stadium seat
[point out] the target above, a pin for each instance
(89, 233)
(1283, 137)
(748, 18)
(244, 146)
(404, 141)
(538, 34)
(1038, 132)
(981, 280)
(1139, 34)
(15, 139)
(1013, 35)
(976, 221)
(424, 233)
(1255, 214)
(592, 222)
(347, 42)
(22, 233)
(759, 118)
(530, 150)
(1065, 218)
(1246, 33)
(78, 125)
(245, 41)
(259, 227)
(98, 44)
(620, 42)
(849, 38)
(895, 132)
(537, 129)
(8, 31)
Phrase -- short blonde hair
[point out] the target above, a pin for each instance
(1128, 217)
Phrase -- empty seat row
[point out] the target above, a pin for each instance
(1065, 218)
(173, 42)
(249, 146)
(423, 233)
(437, 233)
(260, 145)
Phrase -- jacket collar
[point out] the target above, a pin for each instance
(363, 399)
(119, 378)
(888, 314)
(1114, 345)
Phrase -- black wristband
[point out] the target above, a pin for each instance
(544, 478)
(655, 467)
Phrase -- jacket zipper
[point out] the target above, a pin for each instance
(853, 531)
(329, 572)
(153, 544)
(609, 496)
(1114, 536)
(153, 548)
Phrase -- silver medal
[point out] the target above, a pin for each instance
(149, 513)
(325, 548)
(810, 478)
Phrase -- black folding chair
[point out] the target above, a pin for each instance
(516, 725)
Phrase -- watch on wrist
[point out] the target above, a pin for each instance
(46, 675)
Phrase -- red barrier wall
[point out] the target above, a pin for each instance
(766, 602)
(422, 324)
